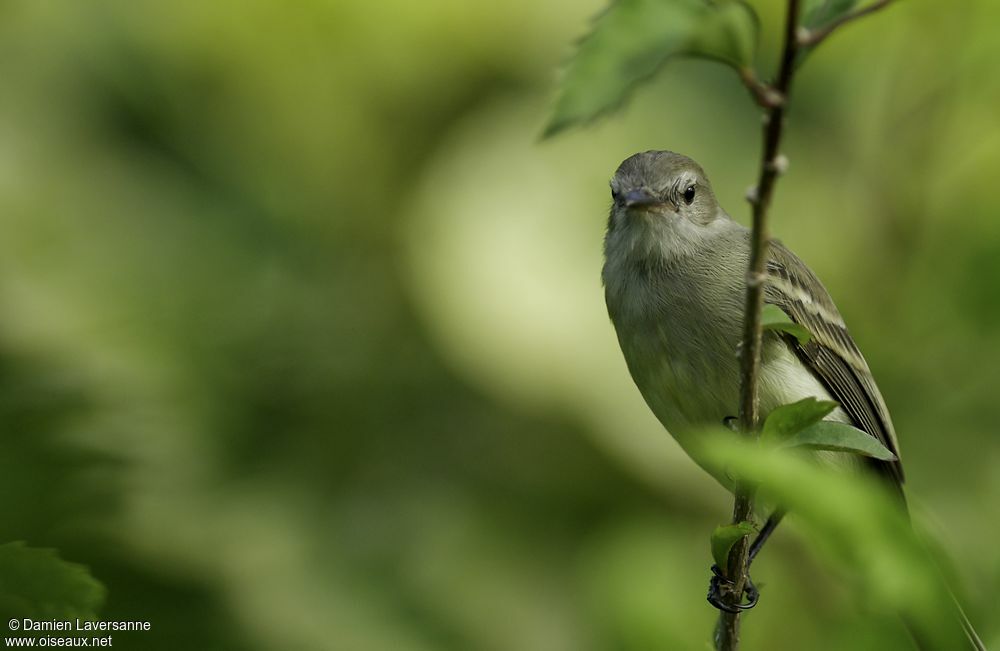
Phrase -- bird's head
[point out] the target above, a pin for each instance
(663, 203)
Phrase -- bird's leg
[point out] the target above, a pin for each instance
(772, 523)
(720, 586)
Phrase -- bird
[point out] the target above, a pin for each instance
(675, 278)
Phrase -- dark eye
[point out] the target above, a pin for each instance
(689, 194)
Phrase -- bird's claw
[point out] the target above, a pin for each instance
(720, 588)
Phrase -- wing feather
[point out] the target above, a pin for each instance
(831, 353)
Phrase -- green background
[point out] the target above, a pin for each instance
(303, 344)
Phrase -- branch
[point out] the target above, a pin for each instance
(807, 38)
(766, 96)
(727, 632)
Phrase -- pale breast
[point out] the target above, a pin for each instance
(680, 334)
(680, 341)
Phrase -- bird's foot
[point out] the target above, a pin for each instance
(720, 589)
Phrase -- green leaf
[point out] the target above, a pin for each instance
(37, 584)
(840, 437)
(855, 523)
(824, 12)
(787, 420)
(820, 13)
(723, 539)
(632, 39)
(774, 318)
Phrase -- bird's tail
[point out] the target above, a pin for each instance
(935, 556)
(975, 643)
(970, 632)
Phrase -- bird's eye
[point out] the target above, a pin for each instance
(689, 194)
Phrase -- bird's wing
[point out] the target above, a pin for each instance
(831, 354)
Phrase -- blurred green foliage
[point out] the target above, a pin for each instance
(303, 345)
(855, 521)
(37, 584)
(633, 39)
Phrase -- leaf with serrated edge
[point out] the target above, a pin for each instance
(35, 583)
(632, 39)
(839, 437)
(723, 539)
(786, 420)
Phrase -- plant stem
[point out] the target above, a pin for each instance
(815, 37)
(727, 632)
(764, 94)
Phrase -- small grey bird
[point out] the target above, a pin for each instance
(675, 281)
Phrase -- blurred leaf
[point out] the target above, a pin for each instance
(632, 39)
(855, 523)
(36, 583)
(724, 537)
(631, 578)
(820, 13)
(774, 318)
(823, 12)
(840, 437)
(726, 32)
(786, 420)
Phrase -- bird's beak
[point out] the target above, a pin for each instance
(639, 198)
